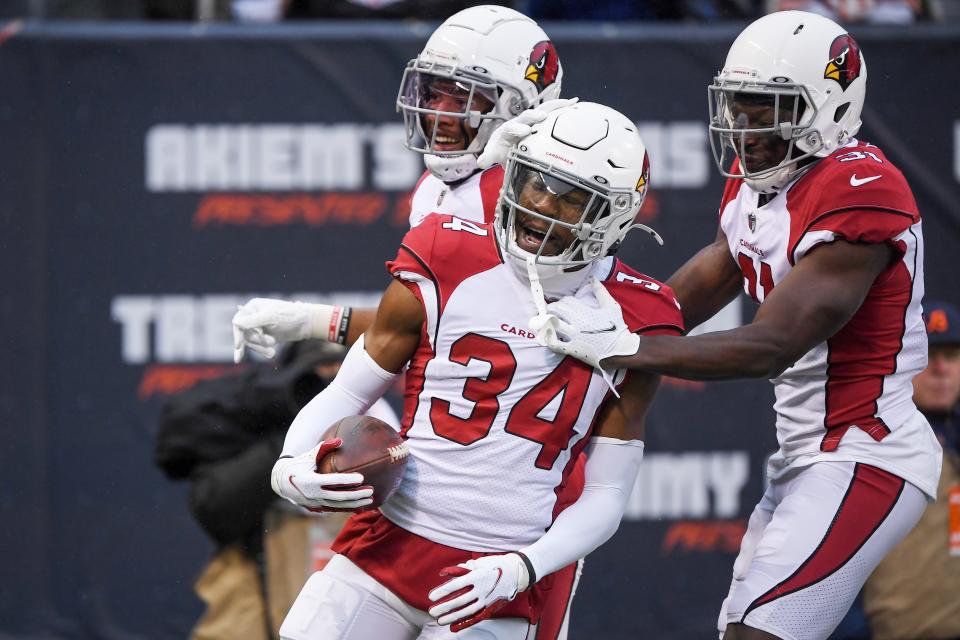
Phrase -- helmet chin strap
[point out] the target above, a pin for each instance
(551, 280)
(539, 301)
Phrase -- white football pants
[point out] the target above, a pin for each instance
(342, 602)
(811, 543)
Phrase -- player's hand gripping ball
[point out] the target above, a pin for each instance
(371, 448)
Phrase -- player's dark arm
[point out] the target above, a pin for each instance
(625, 418)
(816, 299)
(707, 282)
(360, 321)
(394, 331)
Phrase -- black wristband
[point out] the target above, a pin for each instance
(531, 574)
(343, 326)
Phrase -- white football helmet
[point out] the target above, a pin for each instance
(809, 76)
(591, 159)
(482, 66)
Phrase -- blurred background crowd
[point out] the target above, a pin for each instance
(265, 11)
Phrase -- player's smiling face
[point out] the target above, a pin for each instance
(550, 198)
(449, 132)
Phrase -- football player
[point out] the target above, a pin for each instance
(822, 230)
(470, 544)
(481, 67)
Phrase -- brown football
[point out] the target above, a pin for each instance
(370, 447)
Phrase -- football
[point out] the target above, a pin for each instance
(370, 447)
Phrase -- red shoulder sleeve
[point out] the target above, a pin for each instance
(491, 181)
(446, 250)
(649, 307)
(416, 249)
(857, 195)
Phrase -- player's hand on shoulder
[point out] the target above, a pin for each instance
(589, 330)
(296, 479)
(261, 323)
(513, 131)
(477, 588)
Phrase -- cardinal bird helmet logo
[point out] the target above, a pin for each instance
(844, 64)
(543, 66)
(644, 180)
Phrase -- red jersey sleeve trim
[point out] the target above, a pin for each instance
(417, 248)
(858, 225)
(408, 261)
(660, 330)
(647, 305)
(417, 266)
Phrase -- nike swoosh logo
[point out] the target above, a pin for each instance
(856, 182)
(495, 583)
(604, 330)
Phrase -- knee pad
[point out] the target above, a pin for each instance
(327, 607)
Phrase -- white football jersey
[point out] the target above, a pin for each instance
(850, 397)
(493, 419)
(474, 198)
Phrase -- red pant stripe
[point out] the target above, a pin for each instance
(870, 497)
(557, 603)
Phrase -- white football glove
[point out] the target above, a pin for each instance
(589, 333)
(296, 480)
(477, 589)
(261, 323)
(507, 135)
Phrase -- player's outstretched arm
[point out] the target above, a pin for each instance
(706, 283)
(369, 369)
(814, 301)
(261, 323)
(477, 588)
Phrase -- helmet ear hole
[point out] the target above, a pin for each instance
(840, 112)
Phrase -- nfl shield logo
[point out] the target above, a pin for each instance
(752, 221)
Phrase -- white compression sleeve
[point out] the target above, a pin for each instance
(611, 472)
(360, 383)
